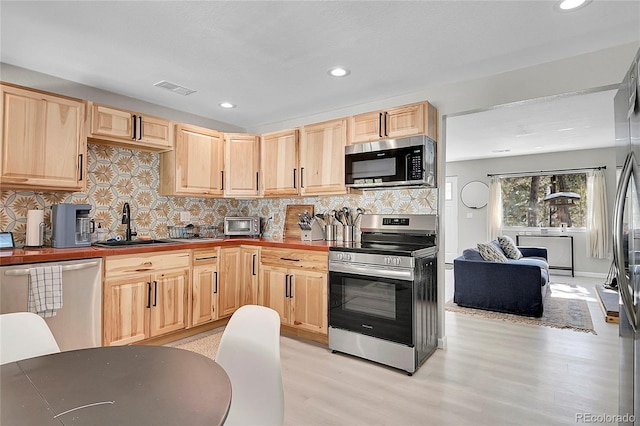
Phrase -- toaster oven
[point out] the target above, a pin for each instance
(242, 226)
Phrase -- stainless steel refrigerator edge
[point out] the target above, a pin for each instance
(626, 230)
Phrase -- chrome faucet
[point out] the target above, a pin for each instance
(126, 220)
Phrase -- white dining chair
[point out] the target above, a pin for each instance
(24, 335)
(249, 352)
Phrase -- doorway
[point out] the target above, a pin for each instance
(451, 219)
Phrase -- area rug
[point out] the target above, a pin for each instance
(207, 345)
(565, 307)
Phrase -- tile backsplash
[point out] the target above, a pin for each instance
(118, 175)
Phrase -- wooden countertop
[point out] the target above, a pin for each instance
(49, 254)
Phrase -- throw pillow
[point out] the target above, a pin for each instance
(472, 254)
(509, 248)
(490, 253)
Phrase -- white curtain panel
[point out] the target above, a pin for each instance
(597, 229)
(495, 208)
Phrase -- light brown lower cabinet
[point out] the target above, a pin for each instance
(204, 286)
(144, 296)
(238, 278)
(294, 284)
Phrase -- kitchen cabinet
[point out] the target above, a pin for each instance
(195, 166)
(204, 287)
(238, 278)
(409, 120)
(279, 164)
(241, 165)
(130, 129)
(294, 284)
(145, 296)
(322, 158)
(44, 144)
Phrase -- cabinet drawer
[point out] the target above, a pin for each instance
(116, 266)
(205, 257)
(293, 259)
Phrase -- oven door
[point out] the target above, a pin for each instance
(378, 306)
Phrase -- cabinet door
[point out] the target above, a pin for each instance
(365, 127)
(404, 121)
(249, 278)
(43, 141)
(274, 292)
(169, 301)
(126, 310)
(309, 301)
(111, 122)
(196, 165)
(322, 158)
(204, 294)
(279, 163)
(241, 165)
(155, 132)
(230, 276)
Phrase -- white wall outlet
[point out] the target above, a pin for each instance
(185, 216)
(469, 215)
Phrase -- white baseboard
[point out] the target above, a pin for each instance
(442, 342)
(591, 274)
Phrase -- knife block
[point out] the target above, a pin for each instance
(314, 234)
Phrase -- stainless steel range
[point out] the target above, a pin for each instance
(383, 291)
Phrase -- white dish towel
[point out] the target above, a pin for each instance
(45, 290)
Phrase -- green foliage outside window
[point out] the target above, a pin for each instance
(523, 201)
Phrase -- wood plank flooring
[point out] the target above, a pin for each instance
(491, 373)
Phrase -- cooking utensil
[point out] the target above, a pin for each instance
(347, 216)
(359, 212)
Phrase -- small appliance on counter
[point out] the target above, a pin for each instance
(242, 226)
(72, 226)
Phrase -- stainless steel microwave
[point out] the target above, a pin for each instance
(402, 162)
(242, 226)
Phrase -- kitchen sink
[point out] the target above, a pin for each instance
(131, 243)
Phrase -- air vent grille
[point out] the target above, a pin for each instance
(174, 88)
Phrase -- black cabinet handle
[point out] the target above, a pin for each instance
(380, 125)
(294, 178)
(257, 181)
(135, 125)
(155, 293)
(291, 286)
(215, 273)
(81, 166)
(148, 294)
(222, 174)
(386, 116)
(290, 259)
(301, 177)
(140, 128)
(286, 286)
(253, 264)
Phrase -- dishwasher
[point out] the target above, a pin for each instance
(78, 324)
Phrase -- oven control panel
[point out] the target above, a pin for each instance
(392, 260)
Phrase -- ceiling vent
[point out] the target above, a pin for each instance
(175, 88)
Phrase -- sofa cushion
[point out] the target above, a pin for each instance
(472, 254)
(491, 253)
(535, 261)
(509, 248)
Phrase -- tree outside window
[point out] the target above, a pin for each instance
(524, 204)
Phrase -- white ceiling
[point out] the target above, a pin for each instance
(271, 58)
(563, 123)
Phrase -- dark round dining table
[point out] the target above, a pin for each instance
(119, 385)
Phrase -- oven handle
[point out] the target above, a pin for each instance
(372, 271)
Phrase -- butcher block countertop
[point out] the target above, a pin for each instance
(49, 254)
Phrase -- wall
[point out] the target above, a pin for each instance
(474, 229)
(117, 175)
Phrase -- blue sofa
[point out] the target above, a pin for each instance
(515, 287)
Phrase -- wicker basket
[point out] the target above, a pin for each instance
(192, 231)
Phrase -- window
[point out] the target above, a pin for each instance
(545, 200)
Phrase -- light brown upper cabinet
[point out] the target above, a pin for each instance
(241, 165)
(129, 129)
(44, 144)
(279, 163)
(409, 120)
(322, 158)
(195, 166)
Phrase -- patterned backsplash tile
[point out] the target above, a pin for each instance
(118, 175)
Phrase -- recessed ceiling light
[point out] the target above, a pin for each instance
(571, 4)
(227, 105)
(339, 72)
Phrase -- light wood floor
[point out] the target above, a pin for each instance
(492, 373)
